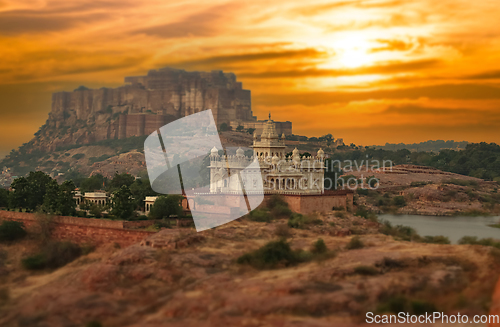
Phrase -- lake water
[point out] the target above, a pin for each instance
(452, 227)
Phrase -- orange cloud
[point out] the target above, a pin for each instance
(358, 69)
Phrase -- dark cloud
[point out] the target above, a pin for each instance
(18, 24)
(52, 18)
(313, 10)
(217, 61)
(393, 45)
(203, 24)
(445, 91)
(495, 74)
(58, 16)
(421, 110)
(93, 67)
(394, 67)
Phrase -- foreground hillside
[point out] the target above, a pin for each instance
(182, 278)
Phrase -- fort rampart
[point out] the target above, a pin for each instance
(82, 230)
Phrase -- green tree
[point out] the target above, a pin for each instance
(51, 200)
(67, 203)
(4, 198)
(29, 192)
(251, 131)
(165, 206)
(120, 180)
(240, 128)
(20, 193)
(224, 127)
(140, 189)
(123, 204)
(75, 176)
(59, 198)
(96, 210)
(93, 183)
(37, 182)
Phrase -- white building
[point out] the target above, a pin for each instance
(98, 198)
(148, 203)
(280, 174)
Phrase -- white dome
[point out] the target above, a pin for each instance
(214, 151)
(321, 153)
(275, 159)
(295, 151)
(240, 152)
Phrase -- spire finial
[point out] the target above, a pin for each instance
(269, 115)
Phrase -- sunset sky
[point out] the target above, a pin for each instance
(367, 71)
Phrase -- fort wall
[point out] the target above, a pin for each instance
(82, 230)
(307, 204)
(300, 203)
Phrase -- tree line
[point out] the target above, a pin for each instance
(38, 192)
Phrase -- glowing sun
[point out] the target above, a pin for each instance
(353, 58)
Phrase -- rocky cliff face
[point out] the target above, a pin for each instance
(141, 106)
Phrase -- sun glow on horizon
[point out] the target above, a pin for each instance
(351, 51)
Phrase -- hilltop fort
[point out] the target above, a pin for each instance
(144, 104)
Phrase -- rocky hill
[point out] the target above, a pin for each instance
(107, 122)
(140, 107)
(107, 157)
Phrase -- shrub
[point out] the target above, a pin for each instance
(439, 239)
(78, 156)
(390, 263)
(96, 210)
(366, 270)
(362, 191)
(475, 241)
(11, 231)
(399, 303)
(340, 214)
(319, 247)
(34, 262)
(404, 233)
(276, 200)
(281, 211)
(461, 182)
(259, 215)
(52, 256)
(418, 184)
(298, 221)
(447, 198)
(422, 307)
(162, 224)
(362, 211)
(93, 323)
(282, 230)
(270, 256)
(399, 201)
(355, 243)
(451, 193)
